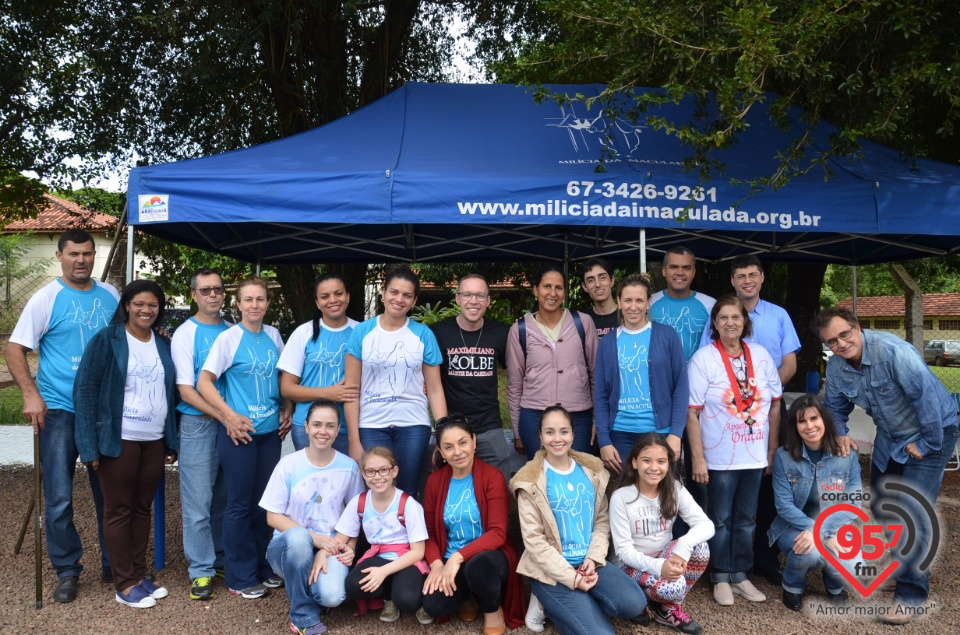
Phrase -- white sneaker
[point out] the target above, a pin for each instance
(535, 618)
(747, 590)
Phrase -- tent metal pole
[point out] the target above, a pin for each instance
(643, 250)
(853, 278)
(258, 269)
(130, 251)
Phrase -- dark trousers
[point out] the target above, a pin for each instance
(765, 555)
(404, 588)
(129, 482)
(484, 576)
(246, 471)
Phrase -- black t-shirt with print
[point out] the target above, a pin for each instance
(604, 323)
(469, 370)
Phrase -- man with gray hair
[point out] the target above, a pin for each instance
(472, 347)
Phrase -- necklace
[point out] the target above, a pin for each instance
(477, 345)
(744, 392)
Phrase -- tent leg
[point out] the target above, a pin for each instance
(643, 250)
(130, 251)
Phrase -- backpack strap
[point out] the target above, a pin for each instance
(577, 322)
(522, 333)
(361, 503)
(403, 503)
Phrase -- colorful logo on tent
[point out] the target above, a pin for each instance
(154, 208)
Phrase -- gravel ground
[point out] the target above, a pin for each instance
(95, 611)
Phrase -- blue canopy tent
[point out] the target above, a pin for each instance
(452, 172)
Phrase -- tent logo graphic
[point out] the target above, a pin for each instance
(588, 133)
(154, 208)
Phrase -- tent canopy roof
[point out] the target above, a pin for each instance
(458, 172)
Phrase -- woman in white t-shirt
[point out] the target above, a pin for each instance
(314, 359)
(126, 430)
(248, 444)
(734, 390)
(393, 569)
(392, 358)
(305, 497)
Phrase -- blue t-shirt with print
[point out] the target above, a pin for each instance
(190, 345)
(571, 496)
(635, 410)
(58, 322)
(461, 514)
(689, 317)
(248, 363)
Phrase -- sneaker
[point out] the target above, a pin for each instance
(273, 582)
(747, 590)
(793, 601)
(154, 591)
(201, 588)
(535, 618)
(423, 617)
(66, 590)
(316, 629)
(840, 600)
(389, 612)
(137, 598)
(640, 620)
(251, 593)
(723, 594)
(220, 572)
(673, 615)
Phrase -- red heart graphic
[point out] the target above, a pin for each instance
(832, 559)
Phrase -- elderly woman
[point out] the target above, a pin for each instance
(550, 361)
(810, 463)
(734, 389)
(126, 430)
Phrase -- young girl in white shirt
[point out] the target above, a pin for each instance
(393, 569)
(643, 509)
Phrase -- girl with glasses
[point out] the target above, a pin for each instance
(392, 570)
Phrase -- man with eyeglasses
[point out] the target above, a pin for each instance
(772, 329)
(58, 322)
(597, 279)
(472, 348)
(202, 489)
(916, 420)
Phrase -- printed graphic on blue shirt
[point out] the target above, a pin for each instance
(634, 410)
(461, 514)
(689, 317)
(572, 498)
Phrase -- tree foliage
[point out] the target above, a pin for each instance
(879, 69)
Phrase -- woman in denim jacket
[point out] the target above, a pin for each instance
(804, 470)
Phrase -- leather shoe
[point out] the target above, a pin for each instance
(793, 601)
(841, 600)
(468, 611)
(500, 629)
(770, 574)
(897, 614)
(66, 590)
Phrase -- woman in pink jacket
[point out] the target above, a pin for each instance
(550, 361)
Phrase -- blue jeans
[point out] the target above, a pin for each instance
(298, 434)
(203, 495)
(924, 475)
(291, 555)
(733, 506)
(528, 423)
(576, 612)
(246, 470)
(58, 458)
(409, 447)
(797, 567)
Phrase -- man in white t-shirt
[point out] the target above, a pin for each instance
(58, 322)
(203, 493)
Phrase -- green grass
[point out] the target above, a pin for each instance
(949, 375)
(11, 405)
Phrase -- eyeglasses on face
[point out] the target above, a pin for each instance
(753, 275)
(383, 471)
(466, 295)
(205, 291)
(842, 335)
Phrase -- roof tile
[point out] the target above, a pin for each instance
(61, 214)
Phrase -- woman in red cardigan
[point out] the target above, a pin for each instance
(472, 560)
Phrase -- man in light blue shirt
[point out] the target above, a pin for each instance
(58, 322)
(917, 430)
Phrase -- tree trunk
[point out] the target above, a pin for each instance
(355, 275)
(296, 282)
(802, 304)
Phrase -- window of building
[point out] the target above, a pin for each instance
(882, 323)
(928, 325)
(950, 325)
